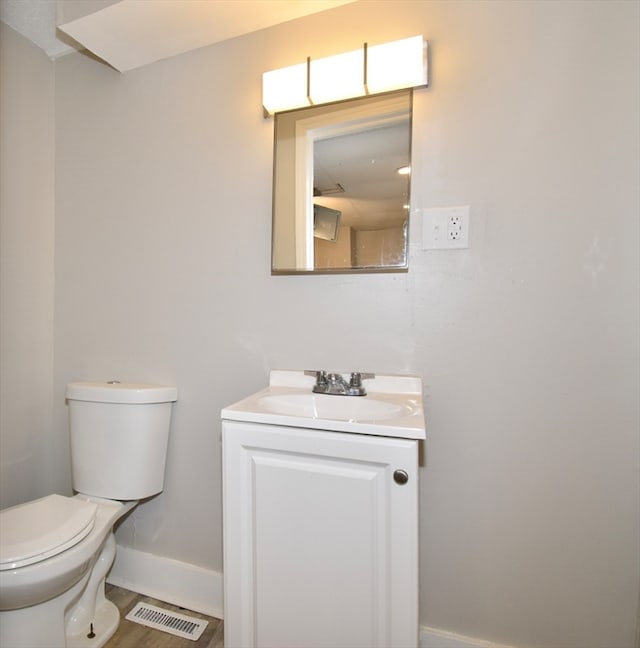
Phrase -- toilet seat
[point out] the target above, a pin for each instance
(37, 530)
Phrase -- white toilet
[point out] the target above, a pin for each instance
(56, 551)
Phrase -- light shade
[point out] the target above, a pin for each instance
(285, 88)
(397, 65)
(337, 77)
(370, 70)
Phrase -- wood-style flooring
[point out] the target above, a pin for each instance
(134, 635)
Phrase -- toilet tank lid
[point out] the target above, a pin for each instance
(117, 392)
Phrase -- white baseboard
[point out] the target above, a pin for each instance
(200, 590)
(432, 638)
(168, 580)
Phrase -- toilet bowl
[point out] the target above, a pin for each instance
(55, 552)
(46, 598)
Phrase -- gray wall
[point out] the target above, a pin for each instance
(27, 441)
(527, 342)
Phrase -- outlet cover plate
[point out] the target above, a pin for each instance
(445, 228)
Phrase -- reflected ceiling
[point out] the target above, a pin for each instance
(364, 166)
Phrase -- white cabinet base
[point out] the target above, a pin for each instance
(320, 541)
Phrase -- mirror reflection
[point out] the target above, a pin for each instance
(341, 201)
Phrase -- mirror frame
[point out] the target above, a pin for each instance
(314, 121)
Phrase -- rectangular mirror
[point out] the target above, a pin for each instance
(340, 197)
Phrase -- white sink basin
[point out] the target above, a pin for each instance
(320, 406)
(392, 407)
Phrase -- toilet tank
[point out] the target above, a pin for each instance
(119, 435)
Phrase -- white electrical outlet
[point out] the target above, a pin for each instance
(445, 228)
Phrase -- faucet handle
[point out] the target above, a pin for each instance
(319, 374)
(355, 383)
(357, 378)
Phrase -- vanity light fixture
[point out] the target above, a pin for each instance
(371, 70)
(404, 170)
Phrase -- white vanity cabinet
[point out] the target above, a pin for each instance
(320, 538)
(320, 497)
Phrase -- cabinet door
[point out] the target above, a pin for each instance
(320, 541)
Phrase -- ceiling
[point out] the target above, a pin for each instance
(35, 20)
(128, 34)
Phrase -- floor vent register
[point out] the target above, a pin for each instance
(176, 624)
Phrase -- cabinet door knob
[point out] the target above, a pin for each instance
(400, 477)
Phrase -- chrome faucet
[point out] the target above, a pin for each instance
(335, 384)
